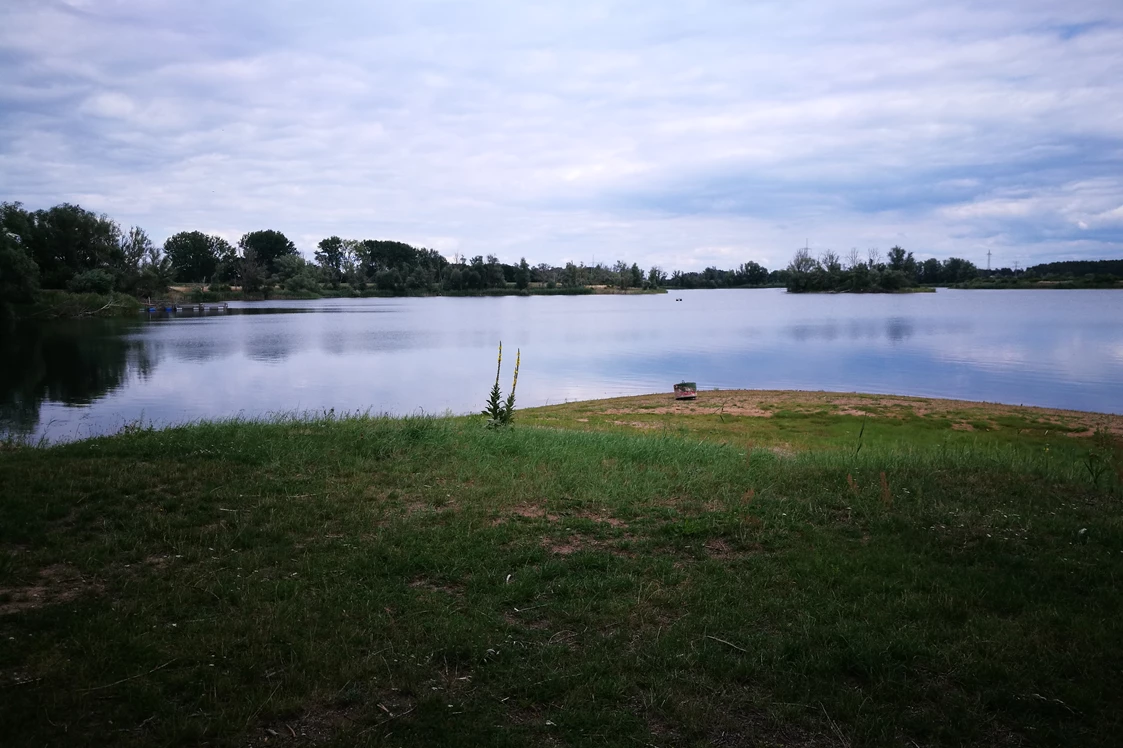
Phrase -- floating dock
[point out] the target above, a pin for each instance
(168, 307)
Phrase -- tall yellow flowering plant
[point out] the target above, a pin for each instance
(498, 412)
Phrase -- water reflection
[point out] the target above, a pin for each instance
(73, 363)
(894, 329)
(271, 345)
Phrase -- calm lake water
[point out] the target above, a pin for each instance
(76, 379)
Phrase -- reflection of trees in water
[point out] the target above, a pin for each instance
(894, 329)
(72, 363)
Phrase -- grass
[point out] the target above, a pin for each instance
(371, 581)
(787, 421)
(55, 304)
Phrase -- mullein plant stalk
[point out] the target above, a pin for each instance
(509, 407)
(498, 412)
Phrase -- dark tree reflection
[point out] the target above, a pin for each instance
(74, 363)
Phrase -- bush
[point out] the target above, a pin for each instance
(199, 296)
(303, 282)
(92, 281)
(219, 287)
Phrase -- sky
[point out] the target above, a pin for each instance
(682, 134)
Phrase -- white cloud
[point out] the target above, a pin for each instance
(695, 134)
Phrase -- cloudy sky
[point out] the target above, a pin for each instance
(682, 134)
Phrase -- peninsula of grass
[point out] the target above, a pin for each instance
(751, 569)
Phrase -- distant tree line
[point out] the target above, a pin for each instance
(1064, 274)
(871, 273)
(68, 247)
(1109, 270)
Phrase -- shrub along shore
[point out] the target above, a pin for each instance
(54, 304)
(753, 568)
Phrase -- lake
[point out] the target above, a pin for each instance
(74, 379)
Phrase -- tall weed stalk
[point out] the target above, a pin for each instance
(501, 413)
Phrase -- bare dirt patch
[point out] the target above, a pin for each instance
(764, 403)
(424, 583)
(686, 407)
(58, 583)
(514, 618)
(722, 550)
(602, 518)
(324, 724)
(718, 548)
(575, 543)
(532, 511)
(639, 424)
(565, 547)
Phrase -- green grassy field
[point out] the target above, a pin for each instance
(718, 579)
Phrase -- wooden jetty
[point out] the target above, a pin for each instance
(178, 307)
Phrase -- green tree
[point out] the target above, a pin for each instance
(330, 255)
(805, 273)
(251, 272)
(195, 257)
(621, 275)
(931, 271)
(494, 273)
(903, 261)
(958, 270)
(268, 246)
(571, 276)
(656, 278)
(752, 274)
(92, 281)
(288, 266)
(803, 262)
(19, 275)
(635, 276)
(65, 240)
(135, 246)
(522, 275)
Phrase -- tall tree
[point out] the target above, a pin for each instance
(931, 271)
(752, 274)
(571, 277)
(636, 275)
(621, 275)
(803, 262)
(493, 274)
(195, 256)
(65, 240)
(252, 273)
(267, 246)
(522, 275)
(135, 246)
(903, 261)
(958, 270)
(329, 255)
